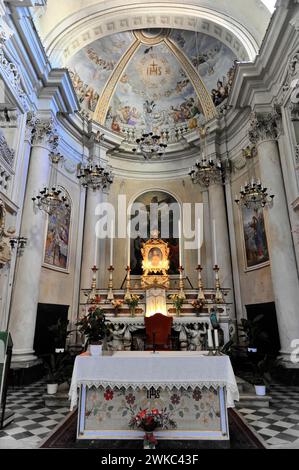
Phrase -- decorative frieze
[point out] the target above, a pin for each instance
(263, 127)
(5, 177)
(6, 153)
(5, 236)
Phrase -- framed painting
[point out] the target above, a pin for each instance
(57, 240)
(255, 246)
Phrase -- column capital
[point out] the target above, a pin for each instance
(41, 131)
(263, 127)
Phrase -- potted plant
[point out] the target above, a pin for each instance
(149, 421)
(132, 301)
(94, 327)
(177, 301)
(58, 368)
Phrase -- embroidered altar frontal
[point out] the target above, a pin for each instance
(194, 389)
(199, 414)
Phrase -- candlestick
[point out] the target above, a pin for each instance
(181, 284)
(214, 239)
(110, 295)
(201, 294)
(218, 294)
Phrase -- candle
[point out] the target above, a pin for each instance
(96, 252)
(216, 337)
(210, 341)
(199, 243)
(215, 245)
(180, 241)
(111, 243)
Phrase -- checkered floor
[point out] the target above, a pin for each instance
(277, 425)
(33, 420)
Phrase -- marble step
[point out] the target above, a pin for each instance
(248, 396)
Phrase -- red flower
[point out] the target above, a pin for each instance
(175, 399)
(155, 411)
(130, 399)
(108, 395)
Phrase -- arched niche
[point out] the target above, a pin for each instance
(165, 227)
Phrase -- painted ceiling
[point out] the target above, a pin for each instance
(152, 80)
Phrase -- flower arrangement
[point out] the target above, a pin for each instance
(197, 305)
(132, 301)
(149, 420)
(93, 325)
(116, 304)
(177, 301)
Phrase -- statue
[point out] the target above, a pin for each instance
(197, 337)
(117, 341)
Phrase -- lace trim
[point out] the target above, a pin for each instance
(232, 389)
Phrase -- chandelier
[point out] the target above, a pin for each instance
(253, 195)
(51, 198)
(150, 146)
(206, 172)
(93, 175)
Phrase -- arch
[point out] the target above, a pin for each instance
(146, 198)
(78, 32)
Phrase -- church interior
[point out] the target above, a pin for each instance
(149, 224)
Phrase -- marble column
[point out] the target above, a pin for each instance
(219, 215)
(98, 154)
(27, 277)
(264, 133)
(89, 257)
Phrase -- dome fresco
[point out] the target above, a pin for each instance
(125, 78)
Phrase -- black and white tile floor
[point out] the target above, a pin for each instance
(33, 420)
(278, 425)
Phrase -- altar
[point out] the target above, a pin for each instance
(194, 388)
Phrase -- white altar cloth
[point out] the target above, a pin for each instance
(143, 369)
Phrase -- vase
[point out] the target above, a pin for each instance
(178, 312)
(95, 349)
(52, 388)
(149, 441)
(133, 311)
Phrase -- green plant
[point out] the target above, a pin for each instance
(177, 301)
(133, 300)
(255, 337)
(59, 367)
(93, 325)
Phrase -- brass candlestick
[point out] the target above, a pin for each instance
(181, 284)
(218, 294)
(92, 297)
(128, 283)
(201, 294)
(110, 295)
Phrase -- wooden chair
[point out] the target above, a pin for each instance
(158, 332)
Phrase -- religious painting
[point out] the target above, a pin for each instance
(163, 199)
(57, 245)
(255, 240)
